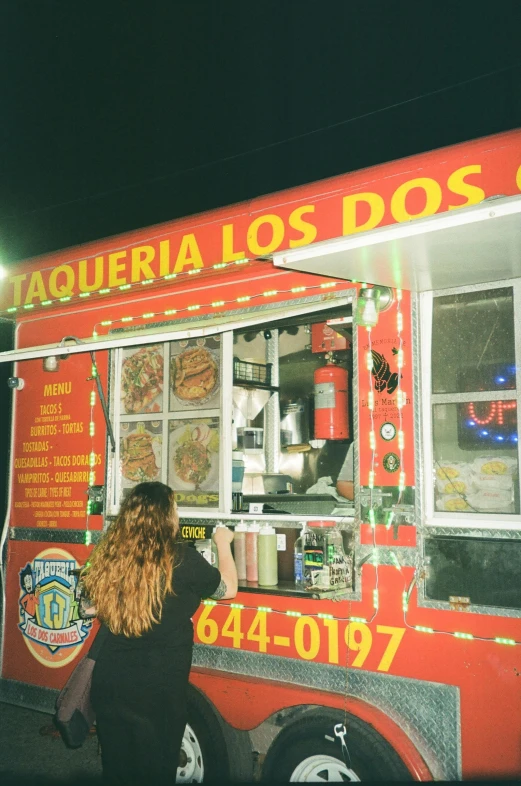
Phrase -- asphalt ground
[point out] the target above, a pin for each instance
(32, 752)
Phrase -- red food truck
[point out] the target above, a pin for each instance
(237, 355)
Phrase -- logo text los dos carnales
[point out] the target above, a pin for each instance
(49, 606)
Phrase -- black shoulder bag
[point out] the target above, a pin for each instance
(74, 715)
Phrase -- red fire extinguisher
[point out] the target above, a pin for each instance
(331, 412)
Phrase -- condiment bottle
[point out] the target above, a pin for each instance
(299, 559)
(252, 570)
(267, 545)
(215, 553)
(239, 550)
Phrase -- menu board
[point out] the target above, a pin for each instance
(169, 418)
(53, 446)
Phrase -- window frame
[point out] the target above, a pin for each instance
(237, 320)
(471, 520)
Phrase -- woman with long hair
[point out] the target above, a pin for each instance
(146, 584)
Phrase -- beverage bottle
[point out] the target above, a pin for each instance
(299, 560)
(239, 550)
(267, 551)
(252, 570)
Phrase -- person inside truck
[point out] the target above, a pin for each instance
(146, 584)
(345, 482)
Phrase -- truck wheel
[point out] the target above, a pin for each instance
(307, 751)
(212, 750)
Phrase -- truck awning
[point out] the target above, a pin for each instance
(207, 325)
(462, 247)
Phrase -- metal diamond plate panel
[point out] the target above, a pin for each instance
(428, 712)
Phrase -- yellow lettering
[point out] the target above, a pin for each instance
(83, 285)
(164, 258)
(362, 644)
(518, 178)
(229, 255)
(62, 290)
(277, 234)
(307, 650)
(142, 256)
(332, 639)
(116, 267)
(207, 629)
(457, 185)
(189, 254)
(349, 205)
(396, 635)
(309, 231)
(36, 288)
(433, 196)
(16, 281)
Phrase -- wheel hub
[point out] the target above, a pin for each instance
(322, 768)
(191, 767)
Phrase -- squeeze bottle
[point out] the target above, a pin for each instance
(215, 553)
(267, 547)
(252, 571)
(239, 550)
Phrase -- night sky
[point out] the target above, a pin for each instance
(118, 115)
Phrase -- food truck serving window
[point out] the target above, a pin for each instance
(226, 417)
(474, 403)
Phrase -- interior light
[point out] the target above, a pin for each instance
(370, 301)
(3, 272)
(366, 314)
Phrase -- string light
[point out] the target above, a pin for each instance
(134, 285)
(400, 397)
(214, 304)
(352, 618)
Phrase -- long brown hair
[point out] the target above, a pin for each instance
(130, 571)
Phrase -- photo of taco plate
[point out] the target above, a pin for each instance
(194, 374)
(142, 380)
(138, 460)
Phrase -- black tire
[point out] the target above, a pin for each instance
(371, 757)
(221, 752)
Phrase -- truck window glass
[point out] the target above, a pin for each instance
(474, 406)
(286, 467)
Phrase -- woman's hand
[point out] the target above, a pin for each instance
(222, 535)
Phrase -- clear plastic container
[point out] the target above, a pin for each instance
(326, 565)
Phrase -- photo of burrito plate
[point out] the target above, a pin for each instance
(194, 375)
(138, 459)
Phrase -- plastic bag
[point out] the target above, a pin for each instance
(325, 486)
